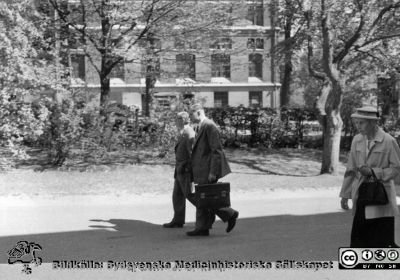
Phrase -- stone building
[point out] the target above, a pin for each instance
(247, 76)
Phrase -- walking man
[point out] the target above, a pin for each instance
(182, 174)
(208, 165)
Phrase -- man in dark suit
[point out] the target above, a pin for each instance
(208, 165)
(182, 174)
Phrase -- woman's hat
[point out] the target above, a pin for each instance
(366, 112)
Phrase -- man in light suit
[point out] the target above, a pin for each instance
(208, 165)
(182, 174)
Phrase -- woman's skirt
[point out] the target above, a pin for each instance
(371, 233)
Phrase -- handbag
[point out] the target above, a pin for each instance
(212, 196)
(372, 192)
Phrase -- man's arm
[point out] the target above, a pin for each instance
(214, 142)
(189, 134)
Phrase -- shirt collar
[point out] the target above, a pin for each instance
(201, 122)
(379, 135)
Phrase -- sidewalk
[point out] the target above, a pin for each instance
(29, 215)
(271, 225)
(300, 225)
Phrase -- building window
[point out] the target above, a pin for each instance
(75, 13)
(255, 43)
(186, 66)
(118, 71)
(78, 66)
(150, 43)
(186, 44)
(255, 65)
(220, 99)
(221, 44)
(221, 65)
(72, 39)
(151, 66)
(255, 98)
(163, 102)
(255, 14)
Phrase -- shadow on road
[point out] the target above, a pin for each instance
(269, 238)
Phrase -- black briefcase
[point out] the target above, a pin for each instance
(213, 196)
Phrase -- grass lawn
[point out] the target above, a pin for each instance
(134, 173)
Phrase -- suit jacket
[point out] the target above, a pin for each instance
(384, 159)
(183, 150)
(207, 154)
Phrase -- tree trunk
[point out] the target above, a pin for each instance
(332, 130)
(331, 151)
(288, 67)
(150, 72)
(104, 90)
(105, 56)
(332, 127)
(332, 122)
(286, 79)
(149, 86)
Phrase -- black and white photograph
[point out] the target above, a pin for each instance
(199, 139)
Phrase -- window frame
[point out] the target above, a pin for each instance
(223, 96)
(186, 66)
(221, 43)
(255, 43)
(256, 65)
(81, 66)
(259, 97)
(221, 65)
(255, 14)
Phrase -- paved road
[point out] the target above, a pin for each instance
(299, 225)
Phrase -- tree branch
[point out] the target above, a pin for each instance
(310, 52)
(350, 42)
(380, 16)
(379, 39)
(63, 17)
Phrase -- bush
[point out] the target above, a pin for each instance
(71, 129)
(263, 126)
(62, 130)
(20, 121)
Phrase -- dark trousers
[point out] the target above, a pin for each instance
(206, 217)
(181, 192)
(371, 233)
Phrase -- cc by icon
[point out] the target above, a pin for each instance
(367, 255)
(349, 258)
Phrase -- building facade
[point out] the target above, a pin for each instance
(237, 69)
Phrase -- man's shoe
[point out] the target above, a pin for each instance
(198, 232)
(172, 225)
(232, 221)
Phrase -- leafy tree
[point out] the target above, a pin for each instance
(27, 69)
(291, 20)
(111, 32)
(352, 37)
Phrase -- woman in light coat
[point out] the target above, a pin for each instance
(372, 152)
